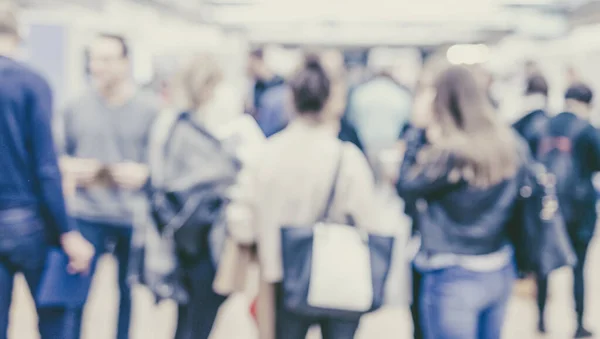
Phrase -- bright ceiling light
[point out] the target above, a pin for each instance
(468, 54)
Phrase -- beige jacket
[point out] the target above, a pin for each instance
(289, 184)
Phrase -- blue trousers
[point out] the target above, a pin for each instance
(196, 319)
(23, 249)
(115, 239)
(461, 304)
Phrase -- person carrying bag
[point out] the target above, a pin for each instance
(333, 269)
(302, 230)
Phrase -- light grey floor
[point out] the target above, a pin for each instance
(152, 322)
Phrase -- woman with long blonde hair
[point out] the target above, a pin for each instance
(462, 172)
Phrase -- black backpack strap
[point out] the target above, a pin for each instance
(334, 184)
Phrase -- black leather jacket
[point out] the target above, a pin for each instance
(454, 217)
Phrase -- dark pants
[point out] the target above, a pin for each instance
(581, 248)
(292, 326)
(414, 308)
(461, 304)
(23, 249)
(196, 319)
(116, 239)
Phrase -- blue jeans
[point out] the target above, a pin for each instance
(116, 239)
(460, 304)
(23, 249)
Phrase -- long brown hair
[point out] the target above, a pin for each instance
(485, 150)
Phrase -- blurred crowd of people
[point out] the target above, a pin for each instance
(186, 191)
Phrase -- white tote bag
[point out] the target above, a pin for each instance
(339, 252)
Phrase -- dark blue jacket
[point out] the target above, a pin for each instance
(29, 173)
(530, 126)
(586, 154)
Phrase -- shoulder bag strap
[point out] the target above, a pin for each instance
(334, 185)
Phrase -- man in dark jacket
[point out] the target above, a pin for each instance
(30, 182)
(584, 148)
(535, 102)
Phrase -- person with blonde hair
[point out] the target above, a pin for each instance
(30, 182)
(202, 139)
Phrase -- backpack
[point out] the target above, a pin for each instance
(556, 154)
(191, 173)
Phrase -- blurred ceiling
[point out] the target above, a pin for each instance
(372, 22)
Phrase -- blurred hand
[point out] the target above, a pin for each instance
(79, 251)
(81, 171)
(129, 175)
(69, 186)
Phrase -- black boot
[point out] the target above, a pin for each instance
(542, 326)
(582, 332)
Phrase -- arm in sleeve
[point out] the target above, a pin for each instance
(421, 180)
(242, 209)
(591, 148)
(45, 164)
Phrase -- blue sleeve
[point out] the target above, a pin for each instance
(592, 147)
(272, 116)
(43, 155)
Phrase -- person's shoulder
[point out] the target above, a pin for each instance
(353, 154)
(147, 101)
(28, 76)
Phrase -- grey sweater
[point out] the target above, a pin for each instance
(88, 128)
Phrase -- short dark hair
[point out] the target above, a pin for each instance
(537, 84)
(118, 38)
(258, 53)
(310, 86)
(580, 92)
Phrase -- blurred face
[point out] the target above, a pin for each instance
(108, 64)
(254, 67)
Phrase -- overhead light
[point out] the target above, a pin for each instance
(468, 54)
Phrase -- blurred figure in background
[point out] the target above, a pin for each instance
(466, 172)
(379, 109)
(570, 148)
(269, 105)
(32, 206)
(535, 109)
(333, 62)
(104, 142)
